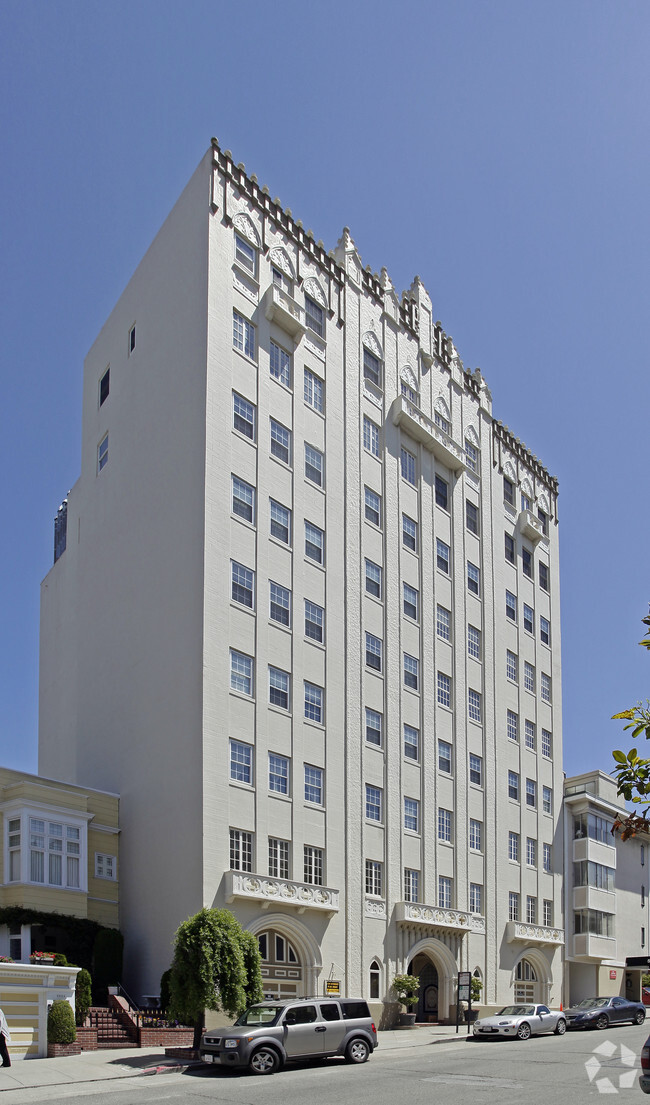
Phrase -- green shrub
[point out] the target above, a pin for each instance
(60, 1024)
(165, 992)
(82, 997)
(60, 960)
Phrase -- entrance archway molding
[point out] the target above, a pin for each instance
(302, 940)
(542, 969)
(446, 966)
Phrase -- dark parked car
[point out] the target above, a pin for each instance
(644, 1077)
(601, 1012)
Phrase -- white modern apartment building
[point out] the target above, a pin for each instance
(606, 887)
(304, 618)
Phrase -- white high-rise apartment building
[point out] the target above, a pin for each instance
(304, 618)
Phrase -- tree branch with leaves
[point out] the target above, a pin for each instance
(632, 771)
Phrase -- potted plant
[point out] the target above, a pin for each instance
(406, 989)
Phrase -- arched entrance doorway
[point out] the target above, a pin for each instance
(291, 959)
(531, 978)
(435, 964)
(427, 1008)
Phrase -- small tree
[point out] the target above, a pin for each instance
(214, 967)
(82, 997)
(60, 1024)
(406, 988)
(632, 770)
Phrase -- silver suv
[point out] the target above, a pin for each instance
(274, 1032)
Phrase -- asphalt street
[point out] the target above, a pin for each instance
(575, 1069)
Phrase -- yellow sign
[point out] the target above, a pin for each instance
(332, 987)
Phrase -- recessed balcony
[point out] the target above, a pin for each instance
(587, 945)
(268, 890)
(533, 934)
(530, 526)
(416, 424)
(453, 919)
(281, 308)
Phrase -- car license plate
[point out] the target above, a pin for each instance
(211, 1058)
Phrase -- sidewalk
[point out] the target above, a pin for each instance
(98, 1066)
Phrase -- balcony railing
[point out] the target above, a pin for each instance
(283, 309)
(415, 423)
(264, 888)
(533, 934)
(456, 919)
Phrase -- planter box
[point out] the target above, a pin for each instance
(56, 1051)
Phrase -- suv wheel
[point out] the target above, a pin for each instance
(264, 1061)
(357, 1051)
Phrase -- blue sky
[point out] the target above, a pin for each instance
(499, 150)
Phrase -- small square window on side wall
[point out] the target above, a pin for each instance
(131, 346)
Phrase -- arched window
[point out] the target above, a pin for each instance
(373, 357)
(375, 979)
(247, 243)
(525, 981)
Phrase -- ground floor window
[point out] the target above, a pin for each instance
(525, 981)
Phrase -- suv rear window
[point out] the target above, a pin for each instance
(353, 1009)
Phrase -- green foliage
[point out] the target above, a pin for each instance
(633, 771)
(76, 934)
(252, 966)
(60, 1024)
(406, 988)
(107, 958)
(476, 988)
(83, 996)
(213, 967)
(165, 993)
(60, 960)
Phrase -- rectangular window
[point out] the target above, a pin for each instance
(411, 743)
(409, 533)
(473, 578)
(314, 543)
(547, 919)
(280, 522)
(442, 492)
(508, 491)
(473, 642)
(442, 422)
(314, 703)
(471, 456)
(547, 744)
(373, 652)
(545, 687)
(313, 865)
(530, 735)
(313, 784)
(544, 630)
(531, 851)
(314, 316)
(444, 757)
(510, 548)
(373, 803)
(513, 906)
(104, 387)
(442, 556)
(512, 725)
(242, 582)
(411, 672)
(444, 824)
(243, 500)
(543, 576)
(411, 885)
(280, 364)
(527, 562)
(531, 793)
(371, 368)
(511, 606)
(512, 666)
(445, 892)
(373, 579)
(529, 619)
(443, 623)
(280, 442)
(373, 507)
(407, 465)
(547, 800)
(314, 619)
(370, 436)
(313, 391)
(314, 465)
(475, 835)
(412, 814)
(241, 672)
(278, 773)
(102, 454)
(471, 517)
(278, 858)
(241, 850)
(373, 727)
(547, 862)
(279, 688)
(243, 416)
(531, 910)
(444, 689)
(280, 603)
(104, 867)
(243, 335)
(476, 769)
(474, 705)
(475, 897)
(411, 602)
(513, 847)
(513, 785)
(543, 517)
(529, 677)
(245, 254)
(525, 502)
(374, 879)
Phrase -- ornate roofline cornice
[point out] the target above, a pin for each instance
(504, 434)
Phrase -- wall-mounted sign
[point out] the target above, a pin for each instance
(612, 974)
(332, 987)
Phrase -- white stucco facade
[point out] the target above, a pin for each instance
(306, 621)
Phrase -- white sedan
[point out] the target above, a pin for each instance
(522, 1021)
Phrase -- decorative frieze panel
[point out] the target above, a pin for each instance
(375, 908)
(458, 920)
(533, 934)
(265, 889)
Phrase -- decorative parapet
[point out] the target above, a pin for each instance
(533, 934)
(423, 429)
(265, 889)
(530, 526)
(458, 920)
(375, 908)
(283, 309)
